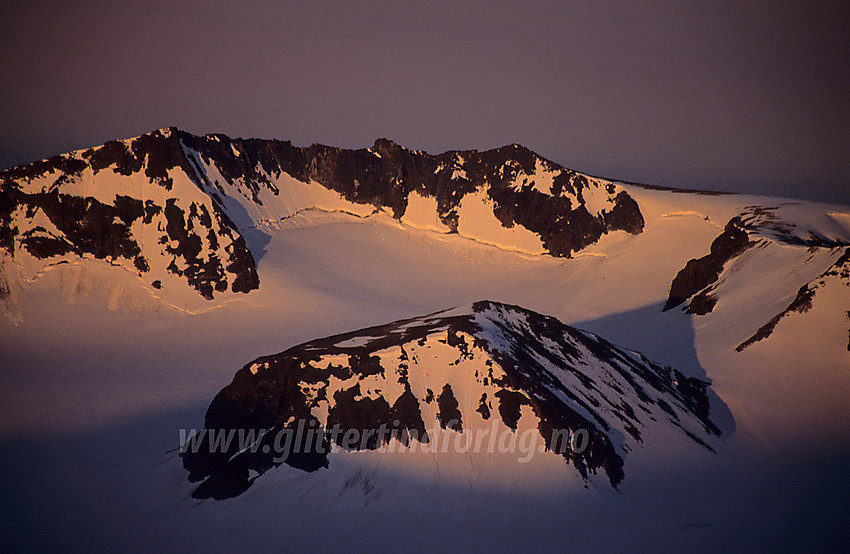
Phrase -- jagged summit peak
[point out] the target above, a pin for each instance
(167, 131)
(385, 143)
(389, 149)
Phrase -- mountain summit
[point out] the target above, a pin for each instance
(485, 369)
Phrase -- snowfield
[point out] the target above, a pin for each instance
(100, 370)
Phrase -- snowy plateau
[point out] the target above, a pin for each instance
(523, 356)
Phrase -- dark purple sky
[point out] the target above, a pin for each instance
(740, 96)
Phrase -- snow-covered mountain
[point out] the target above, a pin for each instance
(176, 209)
(171, 206)
(750, 247)
(585, 399)
(137, 275)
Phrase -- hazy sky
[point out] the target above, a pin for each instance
(738, 95)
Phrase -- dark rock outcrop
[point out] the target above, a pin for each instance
(87, 226)
(699, 273)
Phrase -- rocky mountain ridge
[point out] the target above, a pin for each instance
(187, 204)
(459, 370)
